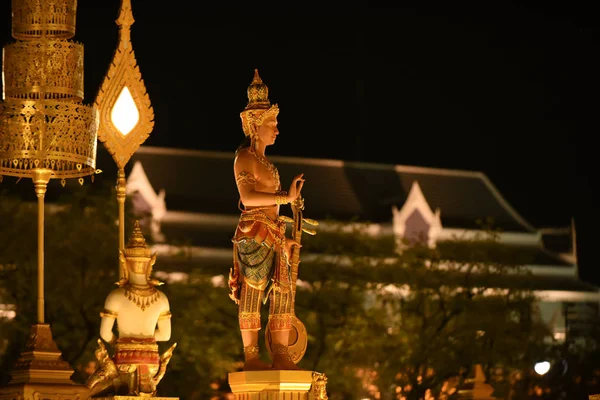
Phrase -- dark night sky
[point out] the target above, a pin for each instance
(496, 86)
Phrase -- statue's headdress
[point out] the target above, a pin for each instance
(141, 257)
(136, 246)
(259, 107)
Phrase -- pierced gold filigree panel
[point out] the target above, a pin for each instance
(51, 69)
(124, 76)
(57, 135)
(32, 19)
(43, 123)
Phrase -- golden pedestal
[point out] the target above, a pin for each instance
(134, 398)
(38, 391)
(278, 385)
(41, 373)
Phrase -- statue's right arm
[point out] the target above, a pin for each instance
(109, 316)
(246, 179)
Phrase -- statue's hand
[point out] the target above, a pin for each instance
(295, 188)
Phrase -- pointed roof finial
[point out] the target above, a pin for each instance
(256, 79)
(125, 19)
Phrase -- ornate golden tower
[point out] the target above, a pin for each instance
(45, 132)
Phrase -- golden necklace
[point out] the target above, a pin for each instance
(268, 164)
(142, 296)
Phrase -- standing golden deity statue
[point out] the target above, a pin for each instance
(142, 315)
(261, 262)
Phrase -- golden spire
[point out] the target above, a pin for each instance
(136, 246)
(125, 19)
(258, 94)
(137, 238)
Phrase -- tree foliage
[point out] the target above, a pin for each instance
(379, 321)
(407, 322)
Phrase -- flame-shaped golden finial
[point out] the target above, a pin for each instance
(126, 116)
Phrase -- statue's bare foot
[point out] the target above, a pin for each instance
(256, 364)
(284, 362)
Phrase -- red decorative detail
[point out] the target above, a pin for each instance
(136, 357)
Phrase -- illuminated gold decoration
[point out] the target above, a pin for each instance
(32, 19)
(45, 132)
(30, 68)
(143, 297)
(258, 94)
(259, 107)
(123, 90)
(43, 123)
(126, 117)
(56, 135)
(319, 386)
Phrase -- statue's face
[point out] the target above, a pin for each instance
(267, 132)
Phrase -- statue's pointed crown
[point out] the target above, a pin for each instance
(136, 246)
(259, 107)
(258, 94)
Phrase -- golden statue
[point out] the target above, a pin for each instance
(143, 318)
(262, 254)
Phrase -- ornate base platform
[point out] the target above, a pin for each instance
(41, 373)
(278, 385)
(35, 391)
(133, 398)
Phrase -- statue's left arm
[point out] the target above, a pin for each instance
(163, 326)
